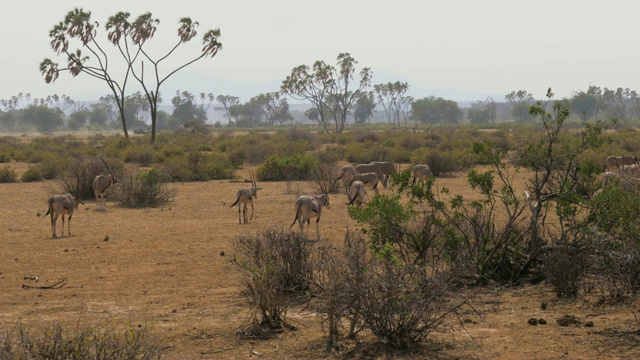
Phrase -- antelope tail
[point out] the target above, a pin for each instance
(296, 219)
(50, 208)
(354, 199)
(234, 204)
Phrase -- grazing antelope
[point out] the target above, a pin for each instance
(245, 196)
(368, 179)
(372, 168)
(627, 183)
(348, 172)
(62, 205)
(359, 193)
(308, 206)
(420, 172)
(101, 183)
(616, 163)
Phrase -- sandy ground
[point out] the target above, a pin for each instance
(164, 267)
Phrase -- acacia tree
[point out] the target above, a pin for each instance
(618, 100)
(328, 88)
(587, 103)
(227, 101)
(492, 108)
(521, 100)
(391, 96)
(129, 39)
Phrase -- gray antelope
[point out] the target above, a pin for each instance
(370, 179)
(617, 163)
(421, 172)
(245, 196)
(61, 205)
(101, 183)
(359, 193)
(308, 206)
(372, 168)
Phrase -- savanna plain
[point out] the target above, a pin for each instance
(171, 269)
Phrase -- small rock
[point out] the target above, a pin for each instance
(532, 321)
(467, 321)
(588, 324)
(542, 321)
(221, 253)
(567, 320)
(543, 305)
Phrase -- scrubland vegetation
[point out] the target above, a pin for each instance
(400, 275)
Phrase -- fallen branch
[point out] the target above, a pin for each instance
(58, 285)
(218, 351)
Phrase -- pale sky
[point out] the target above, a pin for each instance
(480, 47)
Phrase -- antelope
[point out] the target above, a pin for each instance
(62, 205)
(308, 206)
(626, 183)
(618, 162)
(421, 172)
(372, 168)
(368, 179)
(348, 172)
(245, 196)
(360, 193)
(101, 183)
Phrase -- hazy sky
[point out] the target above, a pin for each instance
(483, 47)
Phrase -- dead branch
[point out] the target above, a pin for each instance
(218, 351)
(58, 285)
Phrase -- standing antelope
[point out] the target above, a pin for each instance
(359, 193)
(618, 162)
(62, 205)
(308, 206)
(368, 179)
(420, 172)
(101, 183)
(372, 168)
(245, 196)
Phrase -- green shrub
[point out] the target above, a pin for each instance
(295, 167)
(53, 166)
(32, 174)
(8, 175)
(197, 166)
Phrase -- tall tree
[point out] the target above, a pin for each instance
(129, 38)
(520, 100)
(227, 101)
(617, 101)
(587, 103)
(326, 86)
(390, 96)
(364, 107)
(435, 110)
(492, 108)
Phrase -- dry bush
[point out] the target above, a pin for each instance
(62, 342)
(565, 267)
(323, 179)
(78, 179)
(146, 189)
(277, 269)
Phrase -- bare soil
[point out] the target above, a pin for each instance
(171, 268)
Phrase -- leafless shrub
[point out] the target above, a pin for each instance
(277, 269)
(78, 179)
(61, 342)
(323, 179)
(565, 266)
(146, 189)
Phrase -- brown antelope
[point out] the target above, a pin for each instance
(61, 205)
(245, 196)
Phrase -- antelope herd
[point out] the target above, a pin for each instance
(357, 179)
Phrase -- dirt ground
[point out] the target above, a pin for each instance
(164, 267)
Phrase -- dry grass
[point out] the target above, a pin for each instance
(164, 266)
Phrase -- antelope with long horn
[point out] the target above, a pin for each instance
(61, 205)
(101, 183)
(245, 196)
